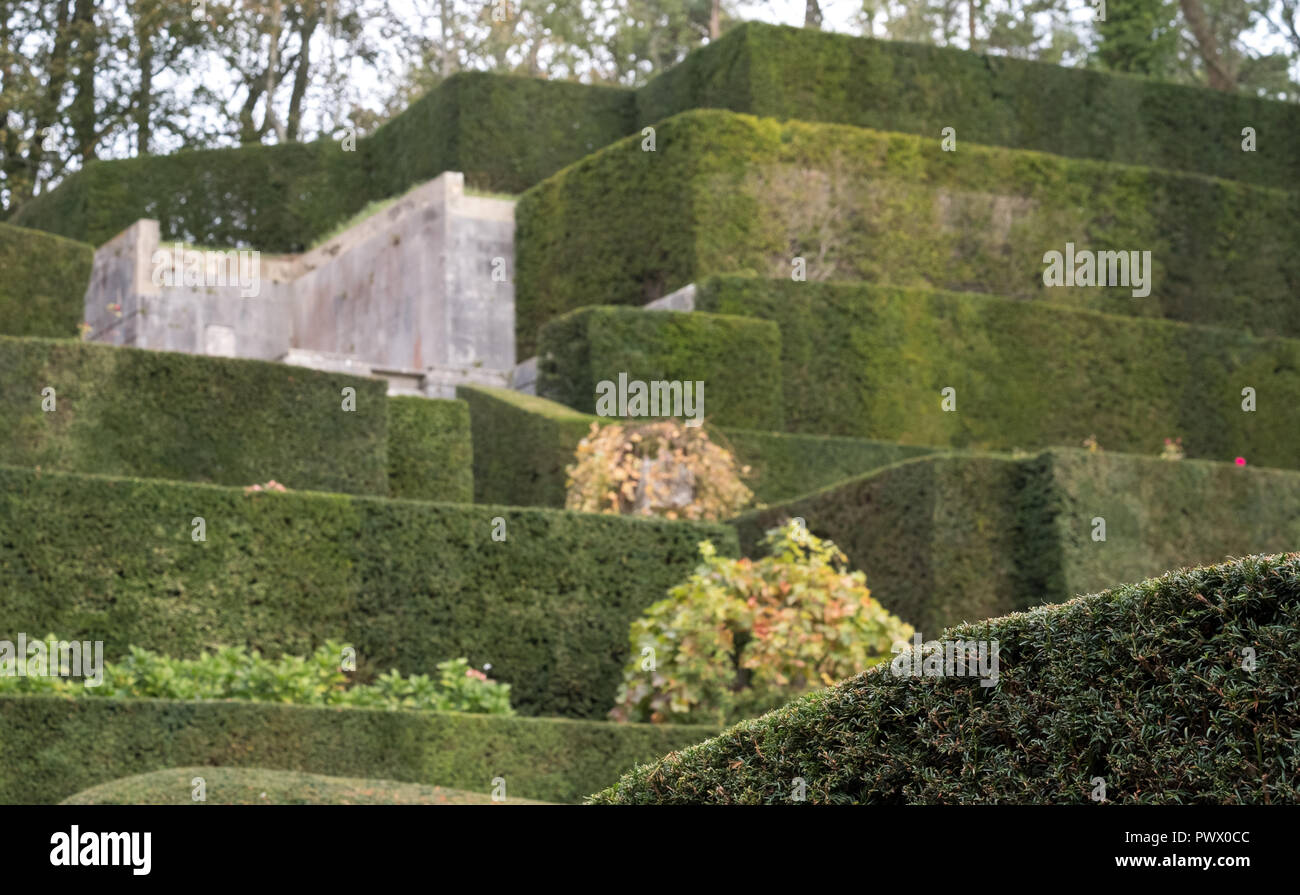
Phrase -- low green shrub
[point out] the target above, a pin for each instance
(739, 638)
(233, 672)
(737, 360)
(1145, 686)
(51, 748)
(732, 194)
(43, 287)
(409, 582)
(254, 786)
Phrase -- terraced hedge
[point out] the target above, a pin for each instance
(1026, 374)
(783, 72)
(165, 415)
(782, 466)
(505, 133)
(43, 286)
(738, 359)
(732, 194)
(963, 537)
(1144, 686)
(52, 748)
(409, 583)
(429, 452)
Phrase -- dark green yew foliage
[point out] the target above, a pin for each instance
(42, 283)
(1148, 686)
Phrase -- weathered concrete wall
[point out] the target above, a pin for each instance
(420, 292)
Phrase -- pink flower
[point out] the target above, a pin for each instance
(475, 674)
(1241, 461)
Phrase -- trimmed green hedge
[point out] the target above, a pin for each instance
(737, 358)
(782, 466)
(785, 72)
(1027, 375)
(409, 583)
(429, 452)
(1142, 686)
(958, 537)
(43, 284)
(53, 748)
(732, 194)
(256, 786)
(165, 415)
(505, 133)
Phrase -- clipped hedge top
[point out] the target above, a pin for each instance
(1146, 686)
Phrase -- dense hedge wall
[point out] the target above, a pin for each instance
(505, 133)
(409, 583)
(727, 193)
(785, 72)
(781, 465)
(1143, 686)
(52, 748)
(1026, 374)
(737, 358)
(963, 537)
(158, 414)
(43, 286)
(429, 452)
(272, 198)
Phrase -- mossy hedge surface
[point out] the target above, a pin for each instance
(784, 72)
(960, 537)
(733, 194)
(43, 281)
(258, 786)
(409, 583)
(522, 445)
(505, 133)
(429, 452)
(166, 415)
(1143, 686)
(871, 361)
(738, 360)
(52, 748)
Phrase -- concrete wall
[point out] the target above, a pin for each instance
(421, 292)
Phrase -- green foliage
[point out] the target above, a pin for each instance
(656, 469)
(123, 411)
(409, 582)
(1144, 686)
(233, 672)
(43, 283)
(505, 133)
(739, 638)
(783, 72)
(1139, 36)
(731, 194)
(879, 370)
(51, 748)
(781, 465)
(737, 359)
(953, 538)
(429, 452)
(254, 786)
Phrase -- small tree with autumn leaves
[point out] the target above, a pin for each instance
(655, 469)
(741, 637)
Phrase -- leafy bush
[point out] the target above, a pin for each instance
(44, 282)
(233, 672)
(741, 637)
(655, 469)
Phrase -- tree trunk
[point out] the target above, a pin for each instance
(715, 20)
(812, 15)
(1220, 75)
